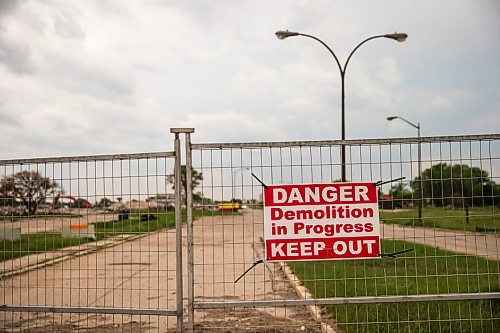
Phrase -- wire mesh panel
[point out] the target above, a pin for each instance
(88, 243)
(439, 267)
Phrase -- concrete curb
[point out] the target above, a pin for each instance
(303, 293)
(300, 290)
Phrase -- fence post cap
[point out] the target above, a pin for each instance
(182, 130)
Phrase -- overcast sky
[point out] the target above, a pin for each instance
(99, 77)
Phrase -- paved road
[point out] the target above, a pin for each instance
(141, 274)
(133, 274)
(482, 245)
(56, 223)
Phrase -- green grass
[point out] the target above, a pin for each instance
(36, 243)
(426, 270)
(133, 225)
(481, 219)
(47, 241)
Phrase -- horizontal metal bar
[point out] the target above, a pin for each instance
(348, 300)
(88, 158)
(77, 309)
(430, 139)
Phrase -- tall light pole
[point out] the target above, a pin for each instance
(420, 201)
(400, 37)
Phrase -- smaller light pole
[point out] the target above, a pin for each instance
(420, 201)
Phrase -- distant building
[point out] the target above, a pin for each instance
(387, 201)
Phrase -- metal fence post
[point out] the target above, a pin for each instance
(178, 225)
(189, 208)
(178, 229)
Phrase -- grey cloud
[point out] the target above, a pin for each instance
(91, 79)
(8, 6)
(126, 71)
(114, 8)
(95, 82)
(16, 56)
(6, 119)
(66, 26)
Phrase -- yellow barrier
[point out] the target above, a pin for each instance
(229, 206)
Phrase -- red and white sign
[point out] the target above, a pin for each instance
(321, 222)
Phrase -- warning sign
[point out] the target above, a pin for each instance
(321, 221)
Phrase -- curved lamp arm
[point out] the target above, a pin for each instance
(417, 126)
(329, 49)
(357, 47)
(399, 37)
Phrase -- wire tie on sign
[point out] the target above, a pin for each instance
(260, 181)
(393, 255)
(255, 263)
(380, 182)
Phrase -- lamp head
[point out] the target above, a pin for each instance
(282, 34)
(391, 118)
(400, 37)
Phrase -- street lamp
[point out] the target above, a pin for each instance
(400, 37)
(417, 126)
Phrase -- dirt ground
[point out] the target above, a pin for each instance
(107, 328)
(276, 319)
(253, 320)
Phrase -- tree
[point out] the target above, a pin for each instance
(458, 184)
(492, 194)
(196, 178)
(400, 191)
(29, 187)
(104, 202)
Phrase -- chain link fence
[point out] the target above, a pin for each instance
(88, 242)
(439, 227)
(95, 242)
